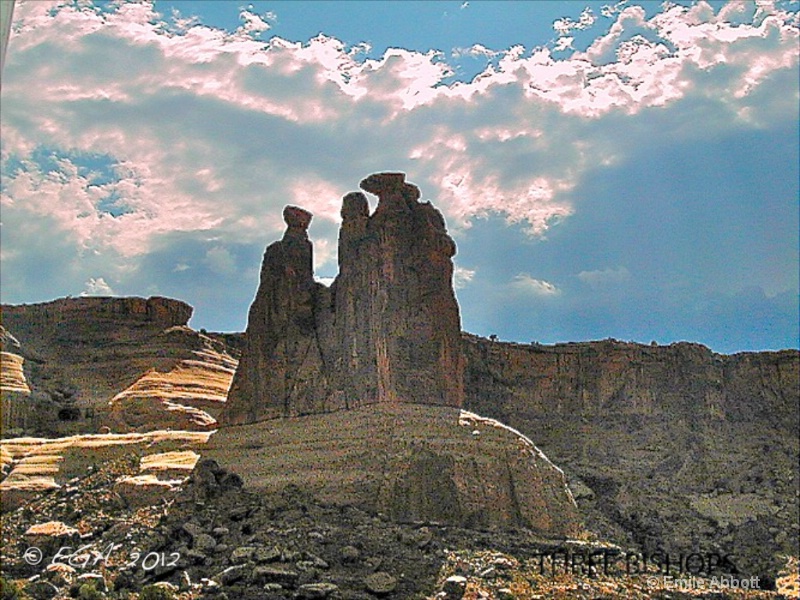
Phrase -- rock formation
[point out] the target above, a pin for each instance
(381, 350)
(35, 465)
(387, 330)
(411, 462)
(674, 444)
(14, 388)
(615, 377)
(77, 354)
(281, 369)
(189, 396)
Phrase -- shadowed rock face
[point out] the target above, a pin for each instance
(282, 357)
(674, 443)
(388, 329)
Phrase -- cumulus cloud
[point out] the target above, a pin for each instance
(564, 43)
(319, 90)
(566, 26)
(209, 133)
(254, 24)
(537, 287)
(97, 286)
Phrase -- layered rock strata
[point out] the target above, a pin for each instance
(410, 462)
(387, 330)
(35, 465)
(612, 376)
(190, 396)
(77, 354)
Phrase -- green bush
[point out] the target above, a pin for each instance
(9, 590)
(155, 592)
(88, 592)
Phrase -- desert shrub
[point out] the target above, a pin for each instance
(87, 591)
(155, 592)
(9, 590)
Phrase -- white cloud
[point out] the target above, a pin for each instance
(97, 287)
(602, 277)
(567, 26)
(564, 43)
(475, 51)
(462, 277)
(254, 24)
(211, 133)
(609, 10)
(537, 287)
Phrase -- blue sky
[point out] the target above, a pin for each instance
(619, 170)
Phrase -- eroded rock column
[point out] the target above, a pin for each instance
(388, 329)
(280, 372)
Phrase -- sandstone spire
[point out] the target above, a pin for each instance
(276, 365)
(388, 329)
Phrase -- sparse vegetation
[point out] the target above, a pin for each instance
(9, 590)
(88, 591)
(155, 592)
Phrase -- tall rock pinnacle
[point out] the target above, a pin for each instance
(387, 330)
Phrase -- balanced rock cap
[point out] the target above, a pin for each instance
(379, 183)
(296, 217)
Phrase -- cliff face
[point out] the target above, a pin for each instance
(395, 293)
(618, 378)
(387, 330)
(281, 364)
(77, 354)
(48, 316)
(670, 447)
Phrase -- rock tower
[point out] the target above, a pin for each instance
(387, 330)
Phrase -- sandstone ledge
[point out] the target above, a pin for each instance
(164, 312)
(410, 462)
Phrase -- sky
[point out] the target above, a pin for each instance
(608, 170)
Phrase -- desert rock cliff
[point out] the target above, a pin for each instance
(671, 447)
(77, 354)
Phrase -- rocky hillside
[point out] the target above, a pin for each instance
(213, 538)
(671, 447)
(410, 462)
